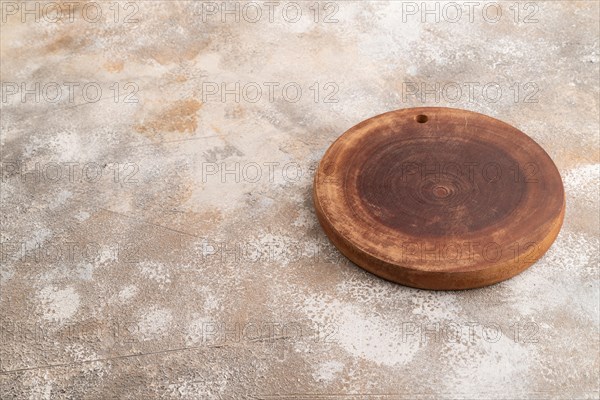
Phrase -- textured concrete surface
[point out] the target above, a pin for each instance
(158, 237)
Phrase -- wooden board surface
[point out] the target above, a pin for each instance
(439, 198)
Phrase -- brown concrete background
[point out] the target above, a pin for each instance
(179, 279)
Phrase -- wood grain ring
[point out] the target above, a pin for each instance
(439, 198)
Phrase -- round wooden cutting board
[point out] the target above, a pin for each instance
(439, 198)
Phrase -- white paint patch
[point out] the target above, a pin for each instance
(395, 36)
(431, 307)
(127, 293)
(68, 146)
(572, 253)
(82, 216)
(485, 362)
(156, 272)
(59, 304)
(107, 255)
(41, 386)
(327, 371)
(582, 182)
(6, 273)
(84, 354)
(369, 337)
(79, 353)
(202, 330)
(39, 238)
(210, 61)
(572, 258)
(86, 272)
(211, 303)
(60, 199)
(590, 58)
(305, 219)
(436, 307)
(155, 323)
(280, 249)
(367, 287)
